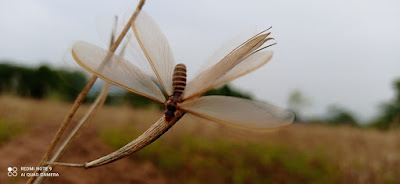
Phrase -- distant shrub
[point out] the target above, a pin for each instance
(139, 101)
(227, 90)
(70, 83)
(390, 111)
(340, 116)
(9, 130)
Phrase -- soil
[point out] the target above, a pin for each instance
(85, 148)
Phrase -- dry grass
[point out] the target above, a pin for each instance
(300, 154)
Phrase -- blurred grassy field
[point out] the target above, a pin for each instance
(200, 151)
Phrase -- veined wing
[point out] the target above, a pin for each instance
(115, 70)
(226, 48)
(206, 79)
(156, 49)
(238, 112)
(249, 64)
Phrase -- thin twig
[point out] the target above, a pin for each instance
(64, 164)
(88, 116)
(85, 90)
(65, 123)
(98, 103)
(149, 136)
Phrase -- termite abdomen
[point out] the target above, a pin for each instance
(179, 80)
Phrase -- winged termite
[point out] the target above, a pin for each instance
(170, 80)
(178, 87)
(245, 58)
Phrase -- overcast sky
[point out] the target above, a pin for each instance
(344, 52)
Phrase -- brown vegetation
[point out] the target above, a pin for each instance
(195, 150)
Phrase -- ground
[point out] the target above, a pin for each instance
(195, 150)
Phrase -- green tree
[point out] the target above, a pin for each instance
(69, 84)
(339, 115)
(139, 101)
(390, 112)
(227, 90)
(297, 101)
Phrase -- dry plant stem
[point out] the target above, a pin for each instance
(98, 103)
(88, 116)
(84, 92)
(149, 136)
(68, 119)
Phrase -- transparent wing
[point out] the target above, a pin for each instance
(227, 47)
(106, 27)
(156, 49)
(238, 112)
(248, 65)
(116, 70)
(241, 60)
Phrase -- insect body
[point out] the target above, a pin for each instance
(153, 46)
(178, 87)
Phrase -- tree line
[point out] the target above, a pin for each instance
(40, 82)
(46, 82)
(388, 117)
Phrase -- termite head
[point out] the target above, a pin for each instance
(170, 112)
(169, 115)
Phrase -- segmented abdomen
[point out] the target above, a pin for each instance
(179, 79)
